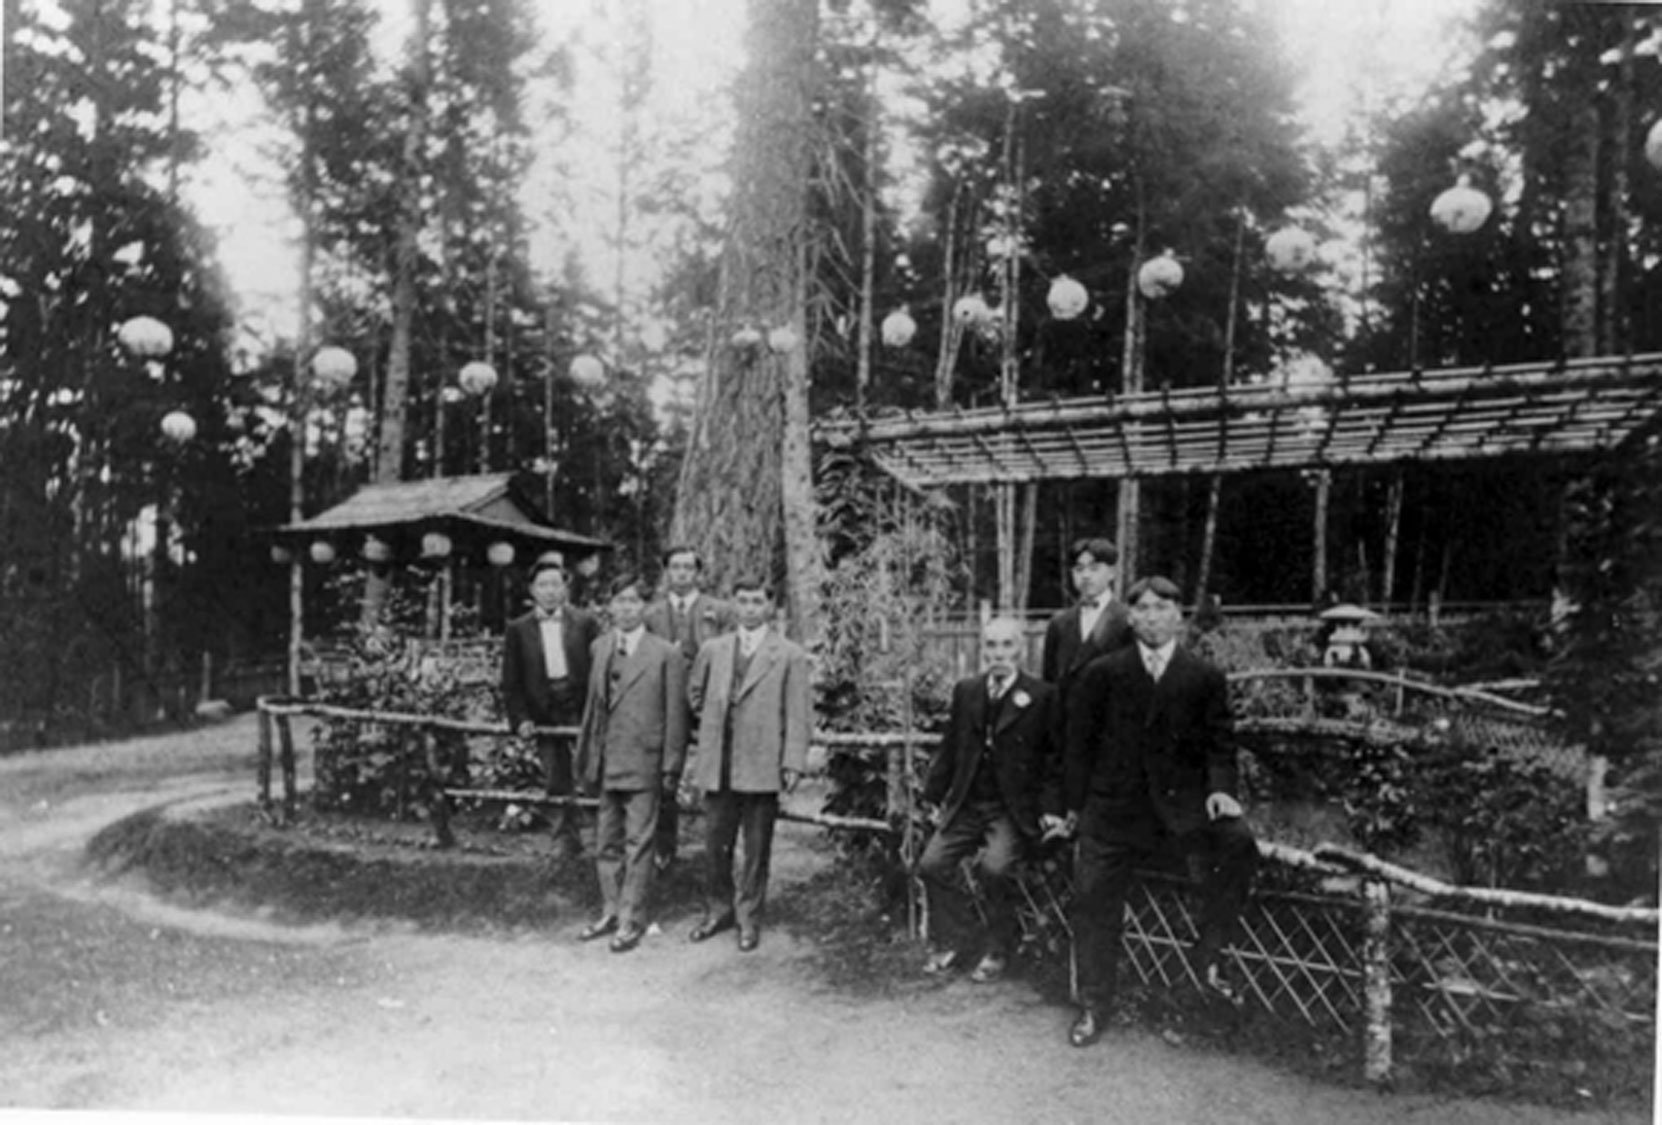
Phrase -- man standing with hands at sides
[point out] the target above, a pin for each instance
(1150, 759)
(985, 780)
(686, 617)
(1093, 627)
(634, 736)
(545, 671)
(753, 707)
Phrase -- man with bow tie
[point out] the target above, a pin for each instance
(688, 617)
(753, 705)
(1149, 760)
(545, 670)
(634, 736)
(1095, 625)
(985, 781)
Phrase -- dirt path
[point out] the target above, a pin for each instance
(110, 1000)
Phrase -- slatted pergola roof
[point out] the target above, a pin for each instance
(1567, 407)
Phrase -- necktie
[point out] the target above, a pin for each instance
(1156, 663)
(996, 687)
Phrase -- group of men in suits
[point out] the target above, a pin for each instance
(686, 679)
(1125, 746)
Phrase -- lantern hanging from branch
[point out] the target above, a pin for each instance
(1159, 276)
(178, 427)
(899, 328)
(377, 550)
(971, 310)
(477, 378)
(333, 368)
(588, 371)
(747, 338)
(782, 340)
(436, 545)
(281, 555)
(1462, 208)
(588, 566)
(1291, 250)
(145, 337)
(1067, 298)
(500, 553)
(322, 552)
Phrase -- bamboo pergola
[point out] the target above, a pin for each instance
(1557, 408)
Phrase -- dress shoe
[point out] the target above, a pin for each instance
(627, 938)
(1086, 1029)
(710, 927)
(1218, 987)
(599, 928)
(749, 939)
(941, 962)
(990, 968)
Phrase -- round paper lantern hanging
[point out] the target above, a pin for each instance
(178, 427)
(972, 309)
(588, 566)
(1653, 145)
(1067, 298)
(333, 368)
(1159, 276)
(1462, 208)
(281, 555)
(322, 552)
(782, 340)
(898, 328)
(1291, 249)
(500, 553)
(477, 378)
(145, 337)
(377, 550)
(747, 338)
(436, 545)
(588, 371)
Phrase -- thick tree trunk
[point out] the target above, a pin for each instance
(746, 488)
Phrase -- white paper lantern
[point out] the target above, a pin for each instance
(588, 371)
(1653, 145)
(1067, 298)
(436, 545)
(898, 328)
(281, 555)
(477, 378)
(1462, 208)
(588, 566)
(333, 368)
(972, 309)
(1291, 249)
(1159, 276)
(145, 337)
(377, 550)
(178, 427)
(500, 553)
(747, 338)
(323, 552)
(782, 340)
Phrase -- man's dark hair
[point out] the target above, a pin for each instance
(1157, 584)
(1099, 548)
(684, 549)
(626, 581)
(753, 582)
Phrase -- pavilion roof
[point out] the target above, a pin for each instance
(1564, 407)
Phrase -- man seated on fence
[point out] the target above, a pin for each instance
(1149, 758)
(985, 781)
(634, 736)
(545, 669)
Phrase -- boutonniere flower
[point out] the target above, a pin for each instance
(1021, 698)
(709, 613)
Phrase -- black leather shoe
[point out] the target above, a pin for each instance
(1218, 987)
(941, 962)
(598, 929)
(627, 938)
(710, 927)
(991, 967)
(1087, 1029)
(749, 940)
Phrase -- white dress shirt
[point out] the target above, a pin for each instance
(1157, 660)
(553, 645)
(1090, 612)
(750, 640)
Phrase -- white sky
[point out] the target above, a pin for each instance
(1343, 48)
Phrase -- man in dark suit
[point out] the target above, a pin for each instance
(985, 780)
(1096, 625)
(751, 695)
(634, 735)
(545, 669)
(1150, 759)
(688, 617)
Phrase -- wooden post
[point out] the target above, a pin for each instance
(437, 769)
(1376, 980)
(908, 838)
(265, 756)
(285, 738)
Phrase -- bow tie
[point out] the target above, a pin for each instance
(550, 615)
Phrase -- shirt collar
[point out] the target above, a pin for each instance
(750, 638)
(1164, 651)
(552, 615)
(632, 637)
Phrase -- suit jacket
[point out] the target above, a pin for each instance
(772, 713)
(1066, 652)
(1141, 751)
(525, 690)
(1020, 745)
(635, 715)
(711, 617)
